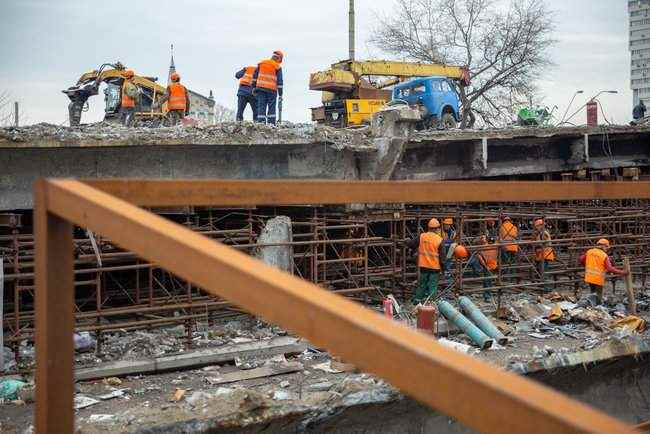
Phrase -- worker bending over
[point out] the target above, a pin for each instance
(597, 263)
(430, 248)
(178, 100)
(129, 99)
(508, 232)
(245, 92)
(267, 85)
(485, 263)
(544, 253)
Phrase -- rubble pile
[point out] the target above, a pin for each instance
(221, 134)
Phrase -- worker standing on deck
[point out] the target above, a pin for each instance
(245, 92)
(129, 98)
(178, 100)
(267, 85)
(544, 253)
(508, 232)
(639, 110)
(597, 263)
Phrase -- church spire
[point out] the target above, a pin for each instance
(172, 67)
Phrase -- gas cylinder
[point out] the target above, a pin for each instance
(388, 308)
(592, 114)
(427, 319)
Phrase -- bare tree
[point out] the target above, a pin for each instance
(223, 113)
(504, 45)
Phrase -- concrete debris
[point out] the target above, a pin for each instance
(82, 401)
(102, 418)
(463, 348)
(277, 230)
(320, 387)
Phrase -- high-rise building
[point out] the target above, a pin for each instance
(639, 11)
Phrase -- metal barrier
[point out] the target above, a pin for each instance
(480, 396)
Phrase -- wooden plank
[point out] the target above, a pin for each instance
(249, 374)
(54, 318)
(294, 192)
(478, 395)
(193, 359)
(629, 284)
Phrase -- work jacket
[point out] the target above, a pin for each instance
(245, 76)
(595, 268)
(429, 251)
(544, 252)
(489, 258)
(178, 97)
(268, 76)
(127, 101)
(509, 232)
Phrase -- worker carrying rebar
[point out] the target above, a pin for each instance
(245, 92)
(597, 264)
(431, 249)
(267, 86)
(178, 100)
(129, 101)
(544, 253)
(508, 232)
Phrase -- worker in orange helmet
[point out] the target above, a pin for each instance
(431, 249)
(267, 86)
(597, 264)
(130, 97)
(491, 229)
(178, 100)
(484, 263)
(544, 253)
(245, 92)
(508, 232)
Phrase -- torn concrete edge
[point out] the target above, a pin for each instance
(614, 349)
(193, 359)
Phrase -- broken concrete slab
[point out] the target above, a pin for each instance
(249, 374)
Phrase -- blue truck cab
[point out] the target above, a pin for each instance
(435, 97)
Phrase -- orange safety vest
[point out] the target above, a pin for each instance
(177, 97)
(546, 254)
(267, 77)
(509, 232)
(490, 258)
(595, 267)
(127, 101)
(247, 79)
(428, 256)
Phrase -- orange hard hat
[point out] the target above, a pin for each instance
(448, 221)
(433, 224)
(603, 242)
(461, 252)
(279, 53)
(128, 73)
(539, 222)
(175, 77)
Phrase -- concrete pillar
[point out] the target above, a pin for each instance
(277, 231)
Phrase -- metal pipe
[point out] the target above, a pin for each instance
(351, 31)
(481, 320)
(476, 334)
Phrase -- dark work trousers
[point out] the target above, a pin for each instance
(242, 101)
(266, 100)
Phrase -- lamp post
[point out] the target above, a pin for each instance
(590, 100)
(577, 92)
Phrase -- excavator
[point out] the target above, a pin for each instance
(149, 113)
(352, 91)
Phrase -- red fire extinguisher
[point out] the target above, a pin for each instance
(592, 113)
(388, 308)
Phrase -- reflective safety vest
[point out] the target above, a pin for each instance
(595, 267)
(490, 258)
(127, 101)
(509, 232)
(544, 253)
(428, 251)
(247, 79)
(267, 77)
(177, 97)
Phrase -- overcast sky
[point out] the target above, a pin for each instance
(47, 44)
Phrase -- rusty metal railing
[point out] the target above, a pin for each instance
(480, 396)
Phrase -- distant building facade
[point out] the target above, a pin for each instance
(639, 13)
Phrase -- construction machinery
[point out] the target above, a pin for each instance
(149, 111)
(354, 90)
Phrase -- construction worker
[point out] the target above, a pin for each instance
(448, 237)
(597, 263)
(448, 231)
(639, 110)
(129, 98)
(508, 232)
(267, 85)
(178, 100)
(484, 263)
(544, 253)
(245, 92)
(491, 229)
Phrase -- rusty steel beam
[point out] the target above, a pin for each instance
(293, 192)
(482, 397)
(54, 317)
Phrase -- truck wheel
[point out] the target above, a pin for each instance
(448, 122)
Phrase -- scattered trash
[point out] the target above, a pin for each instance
(112, 381)
(114, 394)
(538, 335)
(320, 387)
(178, 395)
(326, 367)
(8, 359)
(281, 395)
(556, 313)
(83, 341)
(102, 418)
(631, 323)
(82, 401)
(9, 388)
(284, 384)
(463, 348)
